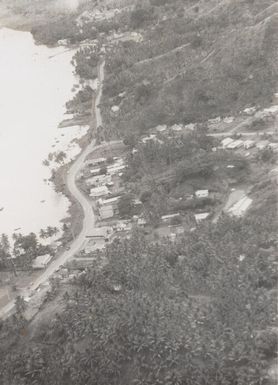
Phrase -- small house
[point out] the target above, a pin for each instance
(106, 212)
(201, 216)
(201, 193)
(41, 261)
(100, 191)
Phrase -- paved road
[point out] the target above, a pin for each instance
(89, 218)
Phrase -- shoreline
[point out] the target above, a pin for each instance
(73, 215)
(76, 214)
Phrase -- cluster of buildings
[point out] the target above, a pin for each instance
(101, 183)
(234, 144)
(163, 129)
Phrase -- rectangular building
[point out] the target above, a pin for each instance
(106, 212)
(97, 192)
(41, 261)
(201, 193)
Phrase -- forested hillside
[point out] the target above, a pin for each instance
(198, 309)
(197, 60)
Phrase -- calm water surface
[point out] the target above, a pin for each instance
(35, 83)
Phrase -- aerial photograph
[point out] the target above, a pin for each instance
(139, 192)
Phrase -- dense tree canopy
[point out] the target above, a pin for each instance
(189, 312)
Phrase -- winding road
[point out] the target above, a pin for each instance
(89, 217)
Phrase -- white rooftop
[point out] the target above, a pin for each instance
(201, 193)
(115, 108)
(239, 208)
(99, 191)
(169, 216)
(225, 142)
(199, 217)
(109, 200)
